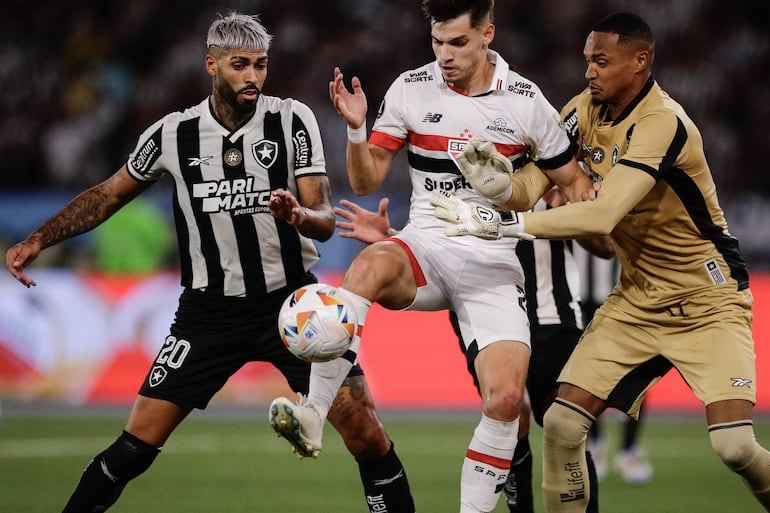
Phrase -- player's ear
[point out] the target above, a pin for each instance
(643, 60)
(211, 65)
(489, 34)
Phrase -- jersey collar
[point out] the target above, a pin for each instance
(225, 131)
(637, 99)
(499, 79)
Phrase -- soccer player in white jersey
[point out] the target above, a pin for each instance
(552, 288)
(467, 92)
(251, 192)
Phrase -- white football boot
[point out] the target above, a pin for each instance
(633, 466)
(299, 423)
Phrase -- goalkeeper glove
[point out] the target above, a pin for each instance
(470, 218)
(488, 171)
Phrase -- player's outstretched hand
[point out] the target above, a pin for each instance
(20, 256)
(351, 106)
(470, 218)
(363, 224)
(488, 171)
(284, 205)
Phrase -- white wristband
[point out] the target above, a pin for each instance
(357, 135)
(512, 225)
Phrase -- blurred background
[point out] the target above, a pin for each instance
(80, 81)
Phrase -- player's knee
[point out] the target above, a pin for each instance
(504, 402)
(128, 457)
(566, 424)
(374, 265)
(734, 444)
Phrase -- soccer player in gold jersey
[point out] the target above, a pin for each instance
(683, 296)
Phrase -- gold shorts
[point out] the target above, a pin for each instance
(707, 338)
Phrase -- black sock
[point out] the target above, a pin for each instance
(630, 433)
(518, 486)
(109, 472)
(385, 484)
(593, 485)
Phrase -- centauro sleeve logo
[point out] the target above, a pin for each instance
(571, 125)
(148, 153)
(302, 153)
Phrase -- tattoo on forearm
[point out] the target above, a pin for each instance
(87, 211)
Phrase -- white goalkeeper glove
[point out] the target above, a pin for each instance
(488, 171)
(470, 218)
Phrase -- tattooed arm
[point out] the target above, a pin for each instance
(87, 211)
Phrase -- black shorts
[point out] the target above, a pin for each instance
(212, 337)
(552, 346)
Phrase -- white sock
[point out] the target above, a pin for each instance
(487, 464)
(327, 377)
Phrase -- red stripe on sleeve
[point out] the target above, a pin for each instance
(386, 141)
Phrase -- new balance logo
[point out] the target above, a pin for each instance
(432, 118)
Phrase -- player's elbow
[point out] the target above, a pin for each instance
(601, 247)
(326, 230)
(324, 236)
(362, 188)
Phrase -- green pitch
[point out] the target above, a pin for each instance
(222, 463)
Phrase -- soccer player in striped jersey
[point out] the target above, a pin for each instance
(250, 195)
(683, 297)
(433, 111)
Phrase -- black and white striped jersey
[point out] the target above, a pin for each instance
(551, 281)
(229, 243)
(598, 277)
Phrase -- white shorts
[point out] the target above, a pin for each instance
(483, 284)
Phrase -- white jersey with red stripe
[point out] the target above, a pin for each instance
(434, 121)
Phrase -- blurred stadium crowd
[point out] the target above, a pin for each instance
(80, 81)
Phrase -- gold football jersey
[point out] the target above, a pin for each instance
(674, 241)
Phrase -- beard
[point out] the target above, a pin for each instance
(230, 96)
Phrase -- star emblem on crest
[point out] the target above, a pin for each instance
(265, 152)
(157, 375)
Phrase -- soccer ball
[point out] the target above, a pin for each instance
(316, 324)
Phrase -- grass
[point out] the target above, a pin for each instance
(222, 463)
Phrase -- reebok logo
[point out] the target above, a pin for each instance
(199, 161)
(741, 382)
